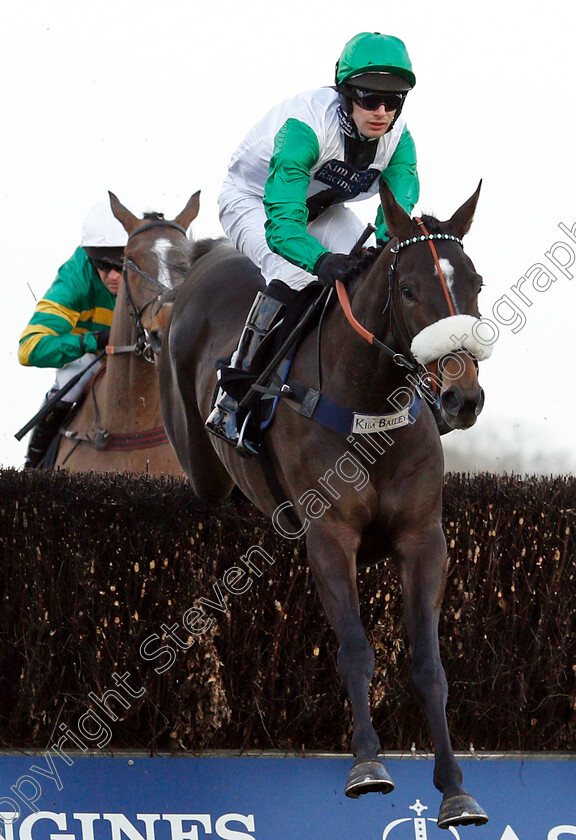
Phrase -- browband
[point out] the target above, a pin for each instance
(157, 223)
(413, 239)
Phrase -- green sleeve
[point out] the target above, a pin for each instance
(296, 150)
(62, 328)
(402, 178)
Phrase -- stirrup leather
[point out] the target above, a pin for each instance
(222, 421)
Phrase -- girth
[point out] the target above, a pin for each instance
(104, 440)
(320, 408)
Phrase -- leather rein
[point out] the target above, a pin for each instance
(406, 360)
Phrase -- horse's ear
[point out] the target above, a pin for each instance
(127, 219)
(461, 221)
(398, 221)
(187, 216)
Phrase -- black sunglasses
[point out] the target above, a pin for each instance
(371, 101)
(108, 265)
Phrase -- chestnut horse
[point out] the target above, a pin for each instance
(118, 427)
(415, 305)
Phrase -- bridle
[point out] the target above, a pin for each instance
(430, 237)
(101, 438)
(142, 347)
(434, 369)
(405, 359)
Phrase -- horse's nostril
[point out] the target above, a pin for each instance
(156, 337)
(480, 403)
(450, 401)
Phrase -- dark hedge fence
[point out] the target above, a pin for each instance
(98, 573)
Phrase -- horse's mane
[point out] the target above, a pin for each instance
(432, 224)
(204, 246)
(154, 217)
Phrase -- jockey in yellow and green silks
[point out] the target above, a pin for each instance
(71, 322)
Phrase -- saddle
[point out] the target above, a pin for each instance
(258, 398)
(49, 460)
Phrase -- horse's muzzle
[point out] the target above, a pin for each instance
(155, 338)
(460, 408)
(155, 331)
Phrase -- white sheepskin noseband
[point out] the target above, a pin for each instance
(457, 332)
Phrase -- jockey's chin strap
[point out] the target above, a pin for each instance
(399, 358)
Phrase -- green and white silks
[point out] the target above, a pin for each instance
(295, 152)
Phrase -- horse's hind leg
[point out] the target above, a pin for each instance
(422, 567)
(332, 560)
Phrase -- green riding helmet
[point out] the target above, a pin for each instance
(373, 61)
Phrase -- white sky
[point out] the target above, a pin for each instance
(150, 99)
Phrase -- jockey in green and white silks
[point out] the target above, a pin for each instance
(282, 202)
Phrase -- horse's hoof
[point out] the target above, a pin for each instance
(368, 777)
(461, 809)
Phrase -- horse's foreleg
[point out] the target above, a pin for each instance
(332, 560)
(422, 568)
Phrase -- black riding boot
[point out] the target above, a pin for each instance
(266, 311)
(43, 434)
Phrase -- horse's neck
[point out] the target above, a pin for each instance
(353, 369)
(128, 395)
(123, 329)
(370, 298)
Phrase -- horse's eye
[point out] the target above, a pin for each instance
(407, 293)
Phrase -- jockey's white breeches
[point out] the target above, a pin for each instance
(66, 373)
(243, 217)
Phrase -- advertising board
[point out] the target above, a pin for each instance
(264, 798)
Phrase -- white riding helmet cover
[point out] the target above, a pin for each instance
(101, 228)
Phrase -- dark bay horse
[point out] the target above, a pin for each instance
(372, 489)
(119, 427)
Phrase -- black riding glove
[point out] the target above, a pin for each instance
(102, 339)
(332, 267)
